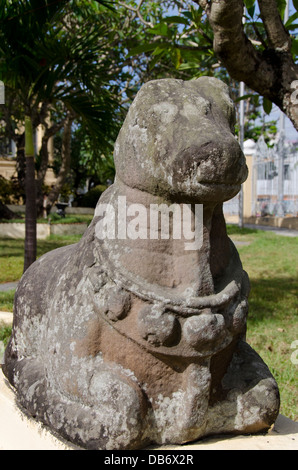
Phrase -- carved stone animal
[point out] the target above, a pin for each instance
(120, 342)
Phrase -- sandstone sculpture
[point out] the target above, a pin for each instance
(120, 342)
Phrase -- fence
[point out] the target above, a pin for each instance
(272, 184)
(275, 179)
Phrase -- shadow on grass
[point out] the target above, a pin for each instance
(10, 247)
(7, 300)
(15, 248)
(272, 299)
(44, 246)
(236, 230)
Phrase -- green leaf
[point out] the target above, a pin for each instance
(188, 65)
(244, 97)
(294, 49)
(29, 146)
(108, 4)
(154, 61)
(251, 11)
(176, 20)
(142, 48)
(160, 49)
(176, 57)
(161, 29)
(295, 3)
(249, 3)
(292, 27)
(267, 105)
(281, 5)
(188, 14)
(291, 20)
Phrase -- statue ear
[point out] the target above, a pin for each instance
(218, 92)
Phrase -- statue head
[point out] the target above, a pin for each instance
(178, 141)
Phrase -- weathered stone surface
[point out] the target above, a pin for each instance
(125, 341)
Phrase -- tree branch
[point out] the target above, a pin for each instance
(259, 36)
(205, 4)
(270, 72)
(278, 36)
(137, 12)
(230, 42)
(186, 47)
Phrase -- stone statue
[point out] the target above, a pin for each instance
(123, 341)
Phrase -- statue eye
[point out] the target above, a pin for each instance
(207, 108)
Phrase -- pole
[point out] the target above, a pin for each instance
(280, 182)
(240, 223)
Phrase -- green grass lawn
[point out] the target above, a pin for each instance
(272, 264)
(12, 252)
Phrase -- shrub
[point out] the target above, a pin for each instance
(10, 191)
(90, 199)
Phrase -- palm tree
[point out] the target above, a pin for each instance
(30, 235)
(52, 56)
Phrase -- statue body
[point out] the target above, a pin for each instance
(119, 342)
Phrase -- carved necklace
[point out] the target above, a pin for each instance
(168, 324)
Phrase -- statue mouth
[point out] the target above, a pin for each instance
(216, 190)
(217, 184)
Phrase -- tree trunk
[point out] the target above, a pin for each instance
(44, 160)
(66, 161)
(21, 161)
(30, 230)
(272, 72)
